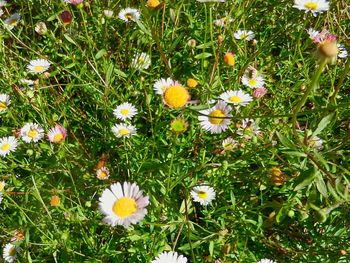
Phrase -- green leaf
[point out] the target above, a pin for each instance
(211, 248)
(203, 55)
(70, 39)
(321, 186)
(305, 179)
(323, 124)
(100, 54)
(285, 141)
(282, 213)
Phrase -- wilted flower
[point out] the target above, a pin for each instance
(259, 92)
(57, 134)
(229, 59)
(66, 17)
(222, 21)
(41, 28)
(108, 13)
(102, 173)
(55, 200)
(248, 128)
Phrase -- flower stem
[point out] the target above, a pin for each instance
(312, 87)
(332, 100)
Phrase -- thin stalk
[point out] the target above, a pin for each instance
(332, 100)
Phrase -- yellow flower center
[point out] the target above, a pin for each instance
(176, 96)
(235, 99)
(58, 137)
(192, 83)
(5, 147)
(202, 194)
(32, 133)
(124, 207)
(153, 3)
(216, 117)
(229, 59)
(102, 175)
(311, 5)
(244, 35)
(3, 106)
(228, 146)
(12, 252)
(252, 82)
(13, 22)
(124, 112)
(123, 131)
(128, 16)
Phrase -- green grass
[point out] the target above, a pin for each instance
(90, 75)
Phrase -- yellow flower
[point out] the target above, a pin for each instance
(153, 3)
(229, 59)
(192, 83)
(176, 96)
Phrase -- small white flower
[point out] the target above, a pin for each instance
(244, 34)
(162, 84)
(38, 66)
(123, 204)
(203, 194)
(342, 52)
(125, 111)
(312, 33)
(57, 134)
(4, 102)
(141, 61)
(123, 130)
(216, 119)
(169, 257)
(236, 97)
(265, 260)
(10, 252)
(229, 144)
(40, 28)
(108, 13)
(248, 128)
(222, 21)
(316, 142)
(7, 145)
(3, 3)
(129, 14)
(12, 21)
(314, 6)
(253, 82)
(31, 132)
(102, 173)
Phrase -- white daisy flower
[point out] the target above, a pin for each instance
(102, 173)
(244, 34)
(7, 145)
(124, 130)
(162, 84)
(248, 128)
(312, 33)
(108, 13)
(253, 82)
(216, 119)
(31, 132)
(10, 252)
(125, 111)
(129, 14)
(229, 144)
(3, 3)
(57, 134)
(315, 142)
(123, 205)
(222, 21)
(4, 102)
(236, 97)
(265, 260)
(203, 194)
(38, 66)
(169, 257)
(314, 6)
(342, 53)
(141, 61)
(12, 21)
